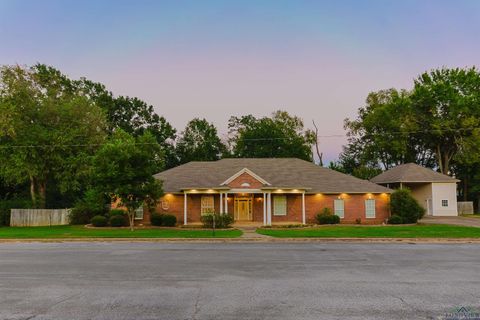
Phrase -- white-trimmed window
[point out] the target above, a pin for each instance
(339, 207)
(444, 203)
(370, 208)
(279, 205)
(139, 213)
(207, 205)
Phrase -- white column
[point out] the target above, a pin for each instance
(226, 202)
(185, 208)
(269, 208)
(221, 203)
(303, 208)
(264, 209)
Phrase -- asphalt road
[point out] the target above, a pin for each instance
(236, 281)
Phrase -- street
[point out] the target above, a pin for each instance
(135, 280)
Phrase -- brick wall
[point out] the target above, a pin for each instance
(245, 178)
(354, 207)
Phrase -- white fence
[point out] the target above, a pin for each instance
(38, 217)
(465, 207)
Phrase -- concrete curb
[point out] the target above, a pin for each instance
(253, 240)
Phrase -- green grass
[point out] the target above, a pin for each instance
(417, 231)
(57, 232)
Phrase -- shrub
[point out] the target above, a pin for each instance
(404, 205)
(326, 217)
(358, 221)
(156, 219)
(221, 220)
(99, 221)
(92, 204)
(118, 220)
(395, 219)
(117, 212)
(169, 220)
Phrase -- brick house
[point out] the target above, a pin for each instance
(268, 191)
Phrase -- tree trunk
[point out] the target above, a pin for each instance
(131, 218)
(33, 191)
(42, 194)
(319, 154)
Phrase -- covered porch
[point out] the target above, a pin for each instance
(249, 207)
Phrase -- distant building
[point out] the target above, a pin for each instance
(436, 192)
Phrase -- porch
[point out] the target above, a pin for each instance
(249, 207)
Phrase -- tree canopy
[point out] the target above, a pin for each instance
(199, 142)
(279, 136)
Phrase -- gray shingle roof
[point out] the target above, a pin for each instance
(279, 172)
(411, 172)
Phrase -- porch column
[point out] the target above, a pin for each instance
(221, 203)
(303, 208)
(185, 208)
(226, 202)
(269, 208)
(264, 209)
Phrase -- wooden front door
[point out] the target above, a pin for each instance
(243, 209)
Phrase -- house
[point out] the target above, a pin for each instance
(436, 192)
(268, 191)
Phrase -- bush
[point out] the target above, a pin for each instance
(156, 219)
(117, 212)
(92, 204)
(169, 220)
(404, 205)
(99, 221)
(118, 220)
(222, 221)
(395, 219)
(326, 217)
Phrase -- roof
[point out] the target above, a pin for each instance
(411, 172)
(280, 173)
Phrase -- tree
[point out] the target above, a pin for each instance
(404, 205)
(124, 168)
(280, 136)
(54, 129)
(446, 107)
(133, 116)
(199, 142)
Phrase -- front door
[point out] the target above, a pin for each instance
(243, 209)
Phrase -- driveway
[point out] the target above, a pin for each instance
(460, 221)
(236, 281)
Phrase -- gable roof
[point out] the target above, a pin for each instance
(411, 172)
(246, 170)
(281, 173)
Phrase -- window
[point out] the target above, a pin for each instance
(339, 208)
(139, 213)
(280, 205)
(370, 208)
(444, 203)
(207, 205)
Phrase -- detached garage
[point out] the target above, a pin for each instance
(436, 192)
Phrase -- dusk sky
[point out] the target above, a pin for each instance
(213, 59)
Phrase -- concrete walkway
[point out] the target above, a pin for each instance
(459, 221)
(250, 233)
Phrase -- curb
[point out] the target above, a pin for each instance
(256, 240)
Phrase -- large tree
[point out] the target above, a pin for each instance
(124, 168)
(199, 142)
(279, 136)
(133, 116)
(52, 129)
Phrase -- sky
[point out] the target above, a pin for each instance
(214, 59)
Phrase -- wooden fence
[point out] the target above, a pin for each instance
(38, 217)
(465, 207)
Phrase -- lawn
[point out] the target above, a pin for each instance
(57, 232)
(476, 215)
(418, 231)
